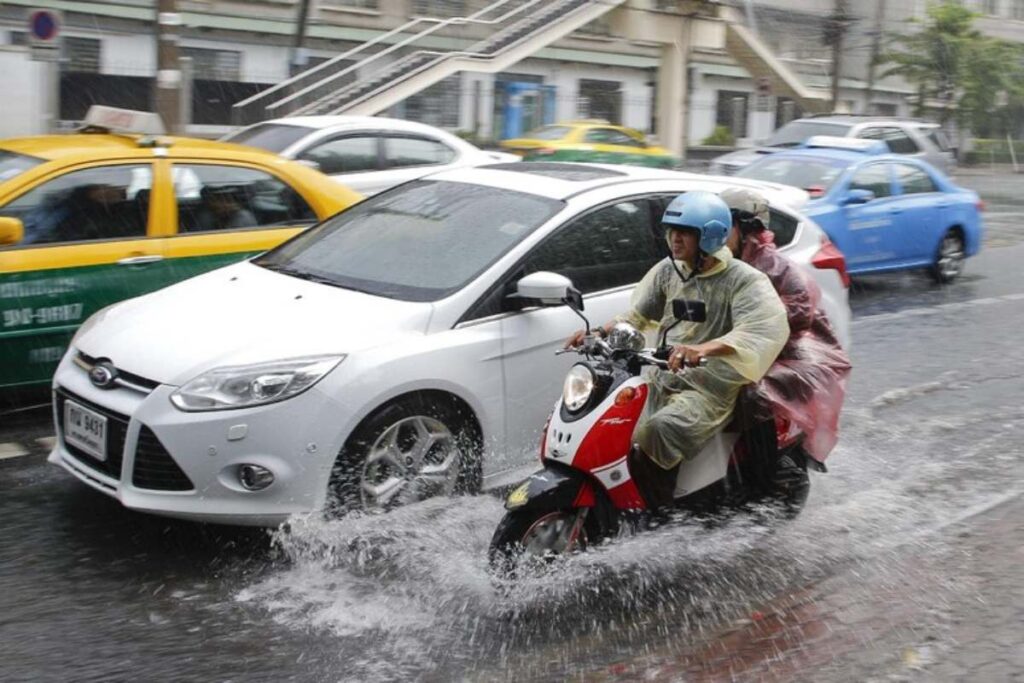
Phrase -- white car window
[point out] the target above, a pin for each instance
(409, 151)
(896, 138)
(349, 154)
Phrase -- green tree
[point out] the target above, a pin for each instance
(950, 61)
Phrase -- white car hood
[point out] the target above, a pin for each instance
(243, 314)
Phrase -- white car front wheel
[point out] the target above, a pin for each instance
(411, 449)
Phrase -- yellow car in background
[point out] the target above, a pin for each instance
(591, 141)
(98, 216)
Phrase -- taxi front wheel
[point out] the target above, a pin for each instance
(416, 447)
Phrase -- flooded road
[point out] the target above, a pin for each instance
(931, 439)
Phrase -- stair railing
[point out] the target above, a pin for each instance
(244, 107)
(470, 54)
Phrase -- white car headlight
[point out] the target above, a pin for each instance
(244, 386)
(579, 385)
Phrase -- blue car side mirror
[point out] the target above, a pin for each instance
(858, 197)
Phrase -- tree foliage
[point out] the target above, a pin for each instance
(978, 79)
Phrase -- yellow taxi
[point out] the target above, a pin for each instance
(118, 210)
(590, 141)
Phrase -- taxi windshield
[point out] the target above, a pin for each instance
(814, 175)
(12, 164)
(419, 242)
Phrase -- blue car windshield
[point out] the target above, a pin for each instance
(420, 241)
(814, 175)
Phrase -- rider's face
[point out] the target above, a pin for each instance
(735, 240)
(683, 244)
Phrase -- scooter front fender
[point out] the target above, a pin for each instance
(556, 487)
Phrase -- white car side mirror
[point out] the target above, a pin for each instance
(551, 289)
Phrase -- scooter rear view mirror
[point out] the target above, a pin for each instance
(690, 310)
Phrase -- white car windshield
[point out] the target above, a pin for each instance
(796, 132)
(417, 242)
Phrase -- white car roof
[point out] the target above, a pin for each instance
(341, 122)
(548, 179)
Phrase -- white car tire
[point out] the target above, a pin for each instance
(415, 447)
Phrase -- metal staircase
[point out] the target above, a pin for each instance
(396, 65)
(752, 54)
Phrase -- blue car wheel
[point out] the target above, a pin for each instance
(949, 261)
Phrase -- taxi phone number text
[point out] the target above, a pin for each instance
(22, 317)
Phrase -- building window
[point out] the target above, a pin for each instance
(352, 4)
(438, 105)
(80, 55)
(214, 65)
(17, 38)
(989, 7)
(1017, 10)
(883, 109)
(600, 100)
(731, 111)
(602, 26)
(786, 110)
(439, 8)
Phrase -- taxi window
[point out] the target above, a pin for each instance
(212, 197)
(11, 164)
(914, 180)
(874, 178)
(610, 136)
(105, 203)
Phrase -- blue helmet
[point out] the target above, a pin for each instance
(704, 212)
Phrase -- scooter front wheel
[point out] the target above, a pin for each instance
(535, 538)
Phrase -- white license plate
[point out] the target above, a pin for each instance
(85, 429)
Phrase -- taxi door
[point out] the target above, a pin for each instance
(222, 212)
(87, 244)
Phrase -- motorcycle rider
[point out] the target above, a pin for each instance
(744, 331)
(807, 383)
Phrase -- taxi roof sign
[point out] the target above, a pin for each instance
(847, 144)
(123, 121)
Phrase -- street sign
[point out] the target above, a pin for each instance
(44, 34)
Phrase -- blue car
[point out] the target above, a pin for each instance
(883, 211)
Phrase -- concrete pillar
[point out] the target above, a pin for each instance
(671, 104)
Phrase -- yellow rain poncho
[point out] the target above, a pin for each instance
(744, 312)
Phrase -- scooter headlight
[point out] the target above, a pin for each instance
(579, 385)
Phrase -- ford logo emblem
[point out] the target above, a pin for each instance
(103, 375)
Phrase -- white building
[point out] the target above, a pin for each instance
(239, 48)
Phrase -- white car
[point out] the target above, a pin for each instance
(368, 154)
(380, 357)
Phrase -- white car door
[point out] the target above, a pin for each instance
(604, 252)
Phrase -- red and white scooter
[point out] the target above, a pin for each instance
(585, 490)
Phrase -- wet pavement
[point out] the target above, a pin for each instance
(906, 564)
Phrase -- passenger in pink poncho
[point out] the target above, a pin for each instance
(807, 383)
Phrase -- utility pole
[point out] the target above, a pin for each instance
(168, 71)
(876, 44)
(837, 29)
(298, 60)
